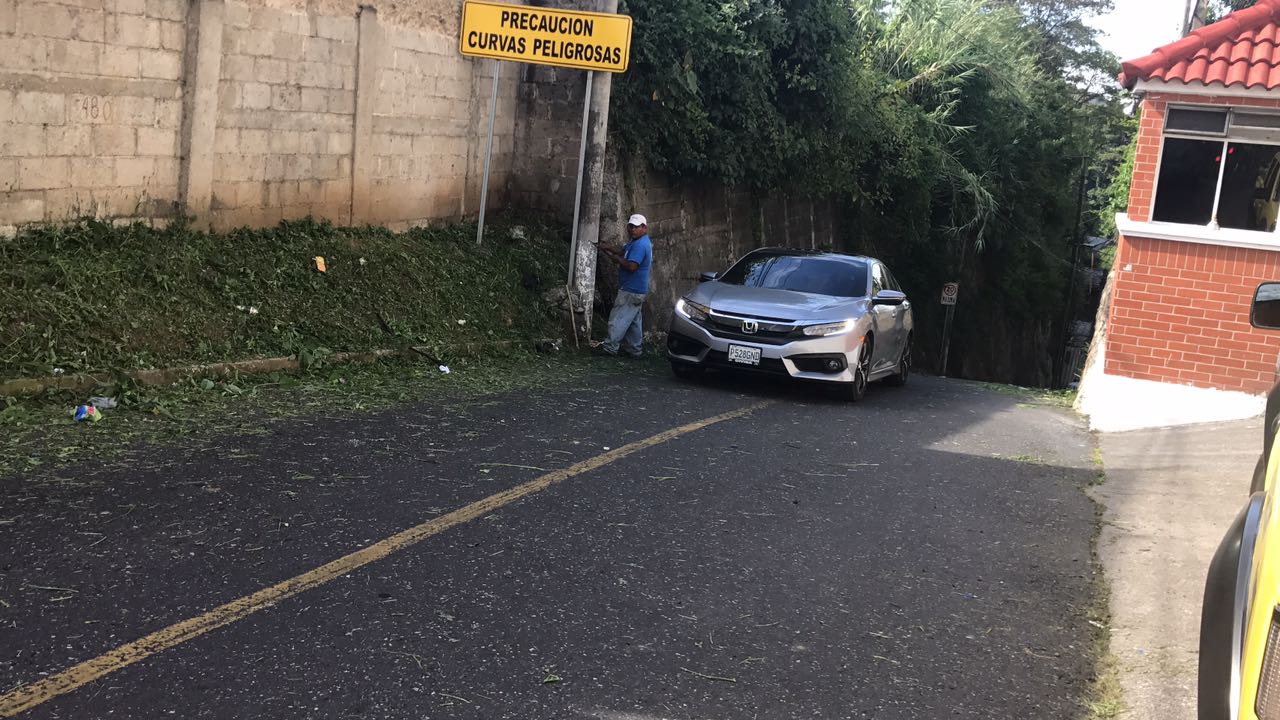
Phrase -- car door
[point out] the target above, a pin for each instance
(883, 322)
(901, 316)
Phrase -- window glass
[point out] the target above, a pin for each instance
(877, 279)
(1248, 197)
(1187, 181)
(890, 281)
(801, 273)
(1254, 120)
(1196, 120)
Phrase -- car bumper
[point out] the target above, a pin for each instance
(692, 344)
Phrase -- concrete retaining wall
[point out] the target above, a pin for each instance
(243, 112)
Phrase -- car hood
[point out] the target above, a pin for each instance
(780, 304)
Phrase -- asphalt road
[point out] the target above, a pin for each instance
(922, 554)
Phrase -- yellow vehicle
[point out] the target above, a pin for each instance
(1239, 677)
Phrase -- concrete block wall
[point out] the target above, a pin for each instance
(429, 123)
(547, 138)
(106, 111)
(90, 108)
(1180, 310)
(286, 102)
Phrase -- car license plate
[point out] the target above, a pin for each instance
(744, 355)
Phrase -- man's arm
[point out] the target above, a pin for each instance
(618, 259)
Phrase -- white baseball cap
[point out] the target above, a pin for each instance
(637, 220)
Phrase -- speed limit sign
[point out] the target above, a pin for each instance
(949, 293)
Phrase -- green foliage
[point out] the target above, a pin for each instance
(1113, 197)
(747, 91)
(91, 297)
(1215, 10)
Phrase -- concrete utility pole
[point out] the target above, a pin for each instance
(200, 107)
(584, 276)
(1197, 11)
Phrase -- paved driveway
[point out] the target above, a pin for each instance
(639, 548)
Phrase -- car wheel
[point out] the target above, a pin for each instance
(857, 389)
(899, 378)
(685, 371)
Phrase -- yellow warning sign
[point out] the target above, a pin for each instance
(544, 36)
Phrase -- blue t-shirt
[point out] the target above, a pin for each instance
(639, 251)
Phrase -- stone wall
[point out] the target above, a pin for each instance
(700, 227)
(244, 112)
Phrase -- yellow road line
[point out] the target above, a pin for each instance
(41, 691)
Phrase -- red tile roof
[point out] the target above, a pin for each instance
(1241, 49)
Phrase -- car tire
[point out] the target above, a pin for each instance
(900, 377)
(856, 390)
(685, 371)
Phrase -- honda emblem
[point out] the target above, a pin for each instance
(750, 326)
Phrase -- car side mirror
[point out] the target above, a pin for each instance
(708, 276)
(889, 297)
(1265, 312)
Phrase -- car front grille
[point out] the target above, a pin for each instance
(1268, 703)
(763, 337)
(767, 331)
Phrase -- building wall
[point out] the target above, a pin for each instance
(1180, 310)
(98, 99)
(1180, 314)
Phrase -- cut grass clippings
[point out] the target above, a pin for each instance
(40, 440)
(1105, 700)
(91, 297)
(1031, 396)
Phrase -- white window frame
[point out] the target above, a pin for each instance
(1227, 139)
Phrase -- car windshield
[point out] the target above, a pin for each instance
(802, 273)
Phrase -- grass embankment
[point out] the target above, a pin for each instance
(90, 297)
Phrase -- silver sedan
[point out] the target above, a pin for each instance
(829, 317)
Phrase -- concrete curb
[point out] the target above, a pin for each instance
(255, 366)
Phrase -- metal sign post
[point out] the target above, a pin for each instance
(950, 292)
(488, 152)
(577, 194)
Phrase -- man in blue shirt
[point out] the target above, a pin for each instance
(626, 329)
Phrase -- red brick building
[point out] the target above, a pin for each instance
(1200, 233)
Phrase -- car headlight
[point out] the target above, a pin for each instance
(692, 310)
(825, 329)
